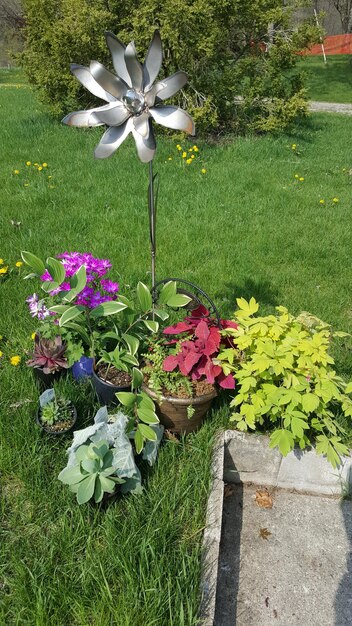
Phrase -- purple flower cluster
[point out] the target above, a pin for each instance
(37, 307)
(97, 289)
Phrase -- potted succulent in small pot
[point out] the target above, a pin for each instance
(181, 375)
(56, 414)
(48, 360)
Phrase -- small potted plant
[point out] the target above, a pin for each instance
(182, 375)
(56, 414)
(48, 359)
(112, 374)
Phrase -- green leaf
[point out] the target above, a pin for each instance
(147, 416)
(144, 297)
(49, 285)
(86, 489)
(79, 280)
(71, 475)
(151, 325)
(349, 388)
(34, 262)
(137, 378)
(56, 270)
(179, 300)
(59, 308)
(138, 441)
(130, 359)
(163, 315)
(332, 448)
(310, 402)
(283, 439)
(131, 342)
(126, 398)
(248, 308)
(298, 426)
(107, 484)
(147, 432)
(145, 401)
(107, 308)
(167, 292)
(79, 330)
(70, 314)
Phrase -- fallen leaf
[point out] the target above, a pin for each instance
(171, 436)
(275, 612)
(266, 601)
(15, 223)
(263, 498)
(229, 490)
(17, 405)
(264, 533)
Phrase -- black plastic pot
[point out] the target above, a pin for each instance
(106, 391)
(46, 381)
(47, 429)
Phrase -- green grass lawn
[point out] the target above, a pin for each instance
(330, 82)
(247, 227)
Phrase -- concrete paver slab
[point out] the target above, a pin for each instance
(248, 458)
(306, 471)
(301, 574)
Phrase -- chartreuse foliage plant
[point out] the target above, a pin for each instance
(286, 380)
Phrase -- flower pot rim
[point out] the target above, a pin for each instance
(107, 382)
(180, 401)
(56, 432)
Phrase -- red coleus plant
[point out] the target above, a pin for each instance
(195, 354)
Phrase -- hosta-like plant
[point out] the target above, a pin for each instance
(93, 475)
(286, 380)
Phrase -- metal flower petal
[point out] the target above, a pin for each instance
(132, 98)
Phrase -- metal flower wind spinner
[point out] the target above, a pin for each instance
(134, 100)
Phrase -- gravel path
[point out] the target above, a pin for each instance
(330, 107)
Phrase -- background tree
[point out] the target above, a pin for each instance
(224, 45)
(344, 7)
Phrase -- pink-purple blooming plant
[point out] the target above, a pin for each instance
(97, 289)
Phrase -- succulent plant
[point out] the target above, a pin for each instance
(93, 475)
(58, 410)
(49, 355)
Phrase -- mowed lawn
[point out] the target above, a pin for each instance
(248, 226)
(330, 81)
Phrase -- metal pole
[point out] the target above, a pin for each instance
(151, 202)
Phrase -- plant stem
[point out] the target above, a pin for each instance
(152, 220)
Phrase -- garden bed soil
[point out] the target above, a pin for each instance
(113, 376)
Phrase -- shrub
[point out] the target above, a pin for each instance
(286, 382)
(226, 48)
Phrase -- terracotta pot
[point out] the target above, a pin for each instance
(172, 412)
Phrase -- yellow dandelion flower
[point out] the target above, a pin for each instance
(28, 163)
(33, 336)
(40, 168)
(296, 176)
(188, 161)
(1, 261)
(15, 360)
(190, 150)
(178, 147)
(301, 178)
(49, 177)
(1, 354)
(192, 157)
(36, 164)
(195, 149)
(293, 146)
(335, 200)
(16, 171)
(19, 264)
(170, 159)
(3, 270)
(204, 171)
(184, 154)
(322, 201)
(45, 165)
(26, 185)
